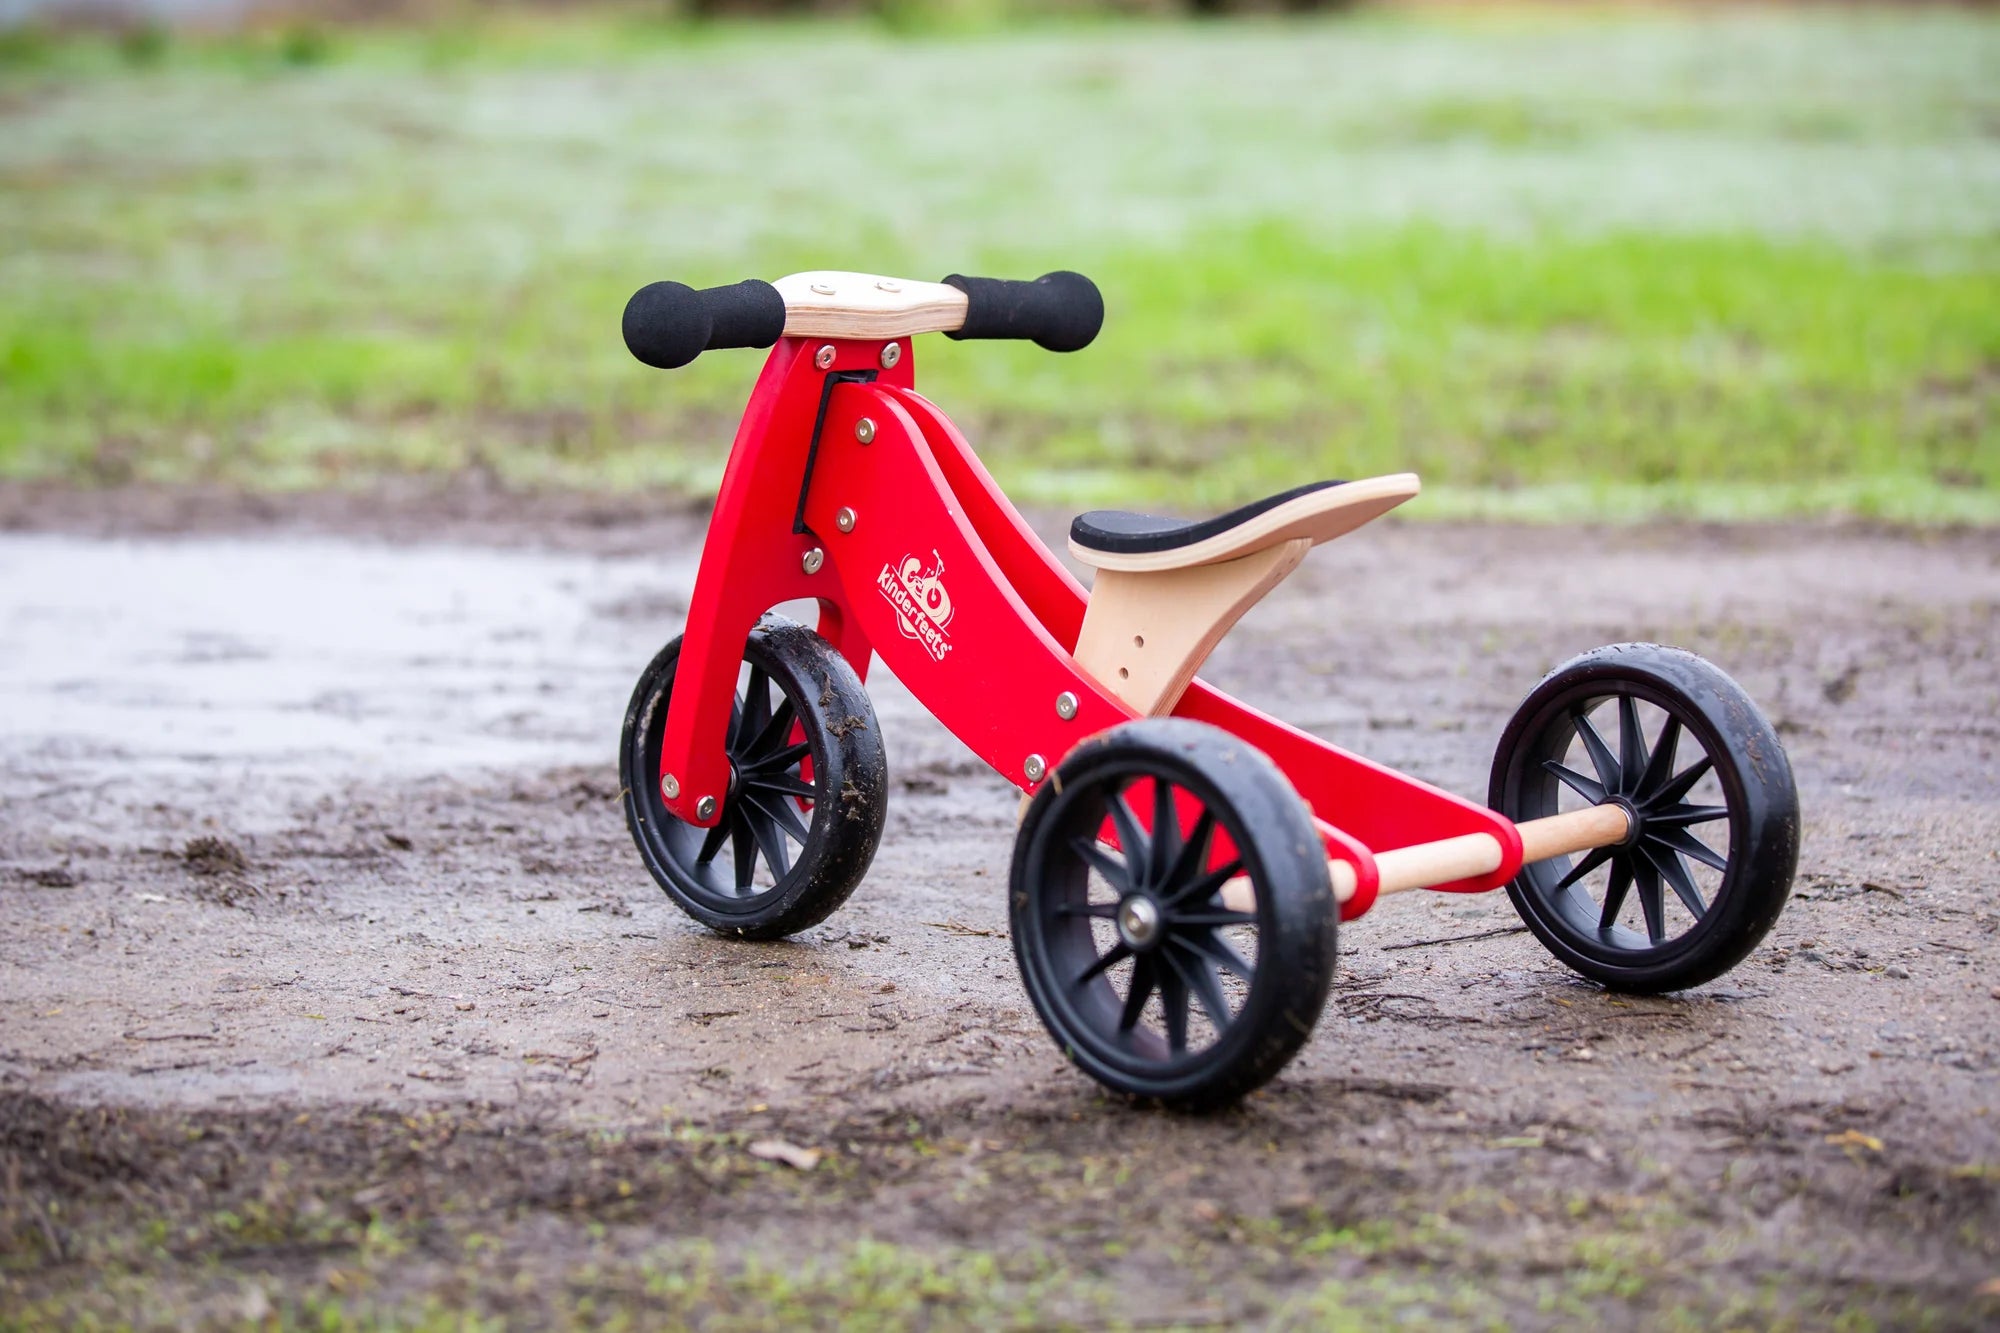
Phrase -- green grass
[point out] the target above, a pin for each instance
(460, 1218)
(1734, 264)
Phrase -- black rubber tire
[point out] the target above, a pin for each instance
(1056, 939)
(1760, 805)
(850, 786)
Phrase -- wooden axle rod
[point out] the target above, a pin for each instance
(1426, 864)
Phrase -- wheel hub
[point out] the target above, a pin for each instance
(1139, 921)
(1635, 819)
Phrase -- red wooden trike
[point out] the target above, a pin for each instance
(1184, 858)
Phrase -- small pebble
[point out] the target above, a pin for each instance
(1896, 971)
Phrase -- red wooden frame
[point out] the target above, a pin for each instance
(938, 573)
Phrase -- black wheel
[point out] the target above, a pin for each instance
(807, 792)
(1140, 971)
(1715, 816)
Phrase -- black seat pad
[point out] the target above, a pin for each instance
(1121, 532)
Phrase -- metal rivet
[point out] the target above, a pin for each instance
(891, 354)
(823, 358)
(1035, 768)
(670, 786)
(864, 430)
(844, 520)
(823, 288)
(1065, 705)
(813, 560)
(705, 808)
(888, 285)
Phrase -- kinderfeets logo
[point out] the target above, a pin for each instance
(923, 607)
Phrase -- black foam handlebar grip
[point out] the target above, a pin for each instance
(668, 325)
(1059, 311)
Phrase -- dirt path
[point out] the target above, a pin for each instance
(303, 835)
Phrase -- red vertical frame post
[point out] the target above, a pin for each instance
(754, 559)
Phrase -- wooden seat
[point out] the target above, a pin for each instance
(1141, 543)
(1167, 591)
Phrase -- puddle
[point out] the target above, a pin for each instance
(318, 656)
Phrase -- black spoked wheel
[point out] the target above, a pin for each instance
(1172, 915)
(807, 793)
(1700, 772)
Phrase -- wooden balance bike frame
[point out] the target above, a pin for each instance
(848, 488)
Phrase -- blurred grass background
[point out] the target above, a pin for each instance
(1564, 262)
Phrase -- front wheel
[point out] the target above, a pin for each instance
(1715, 814)
(1172, 914)
(808, 789)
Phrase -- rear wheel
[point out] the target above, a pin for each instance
(1698, 770)
(1172, 914)
(808, 789)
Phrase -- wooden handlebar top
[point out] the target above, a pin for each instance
(866, 305)
(667, 324)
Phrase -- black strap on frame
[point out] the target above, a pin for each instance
(819, 424)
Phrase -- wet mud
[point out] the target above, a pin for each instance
(317, 907)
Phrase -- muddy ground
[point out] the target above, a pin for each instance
(330, 984)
